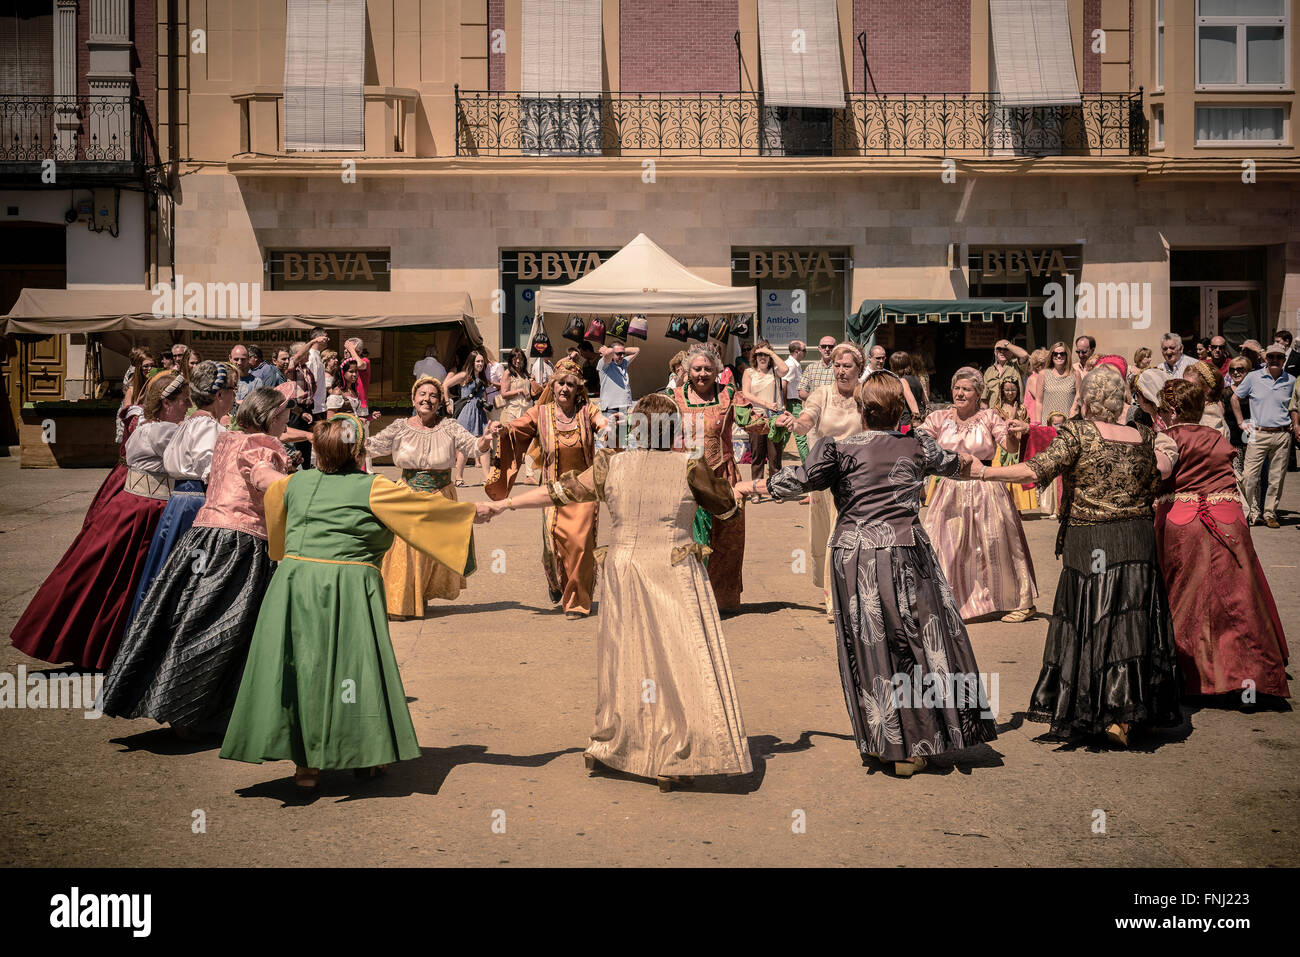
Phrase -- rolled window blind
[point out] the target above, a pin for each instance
(324, 75)
(801, 68)
(1032, 53)
(560, 47)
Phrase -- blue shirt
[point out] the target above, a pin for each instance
(615, 391)
(247, 383)
(268, 375)
(1268, 397)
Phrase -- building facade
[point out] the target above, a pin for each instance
(78, 109)
(1124, 167)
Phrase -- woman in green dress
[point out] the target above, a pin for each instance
(321, 687)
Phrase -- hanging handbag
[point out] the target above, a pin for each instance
(542, 346)
(618, 328)
(741, 328)
(720, 331)
(595, 331)
(575, 329)
(700, 329)
(639, 327)
(677, 328)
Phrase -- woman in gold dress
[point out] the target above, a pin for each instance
(424, 447)
(564, 423)
(666, 704)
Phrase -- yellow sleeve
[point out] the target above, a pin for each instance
(274, 504)
(435, 525)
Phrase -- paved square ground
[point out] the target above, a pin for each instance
(502, 692)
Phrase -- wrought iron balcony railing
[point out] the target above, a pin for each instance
(491, 123)
(93, 130)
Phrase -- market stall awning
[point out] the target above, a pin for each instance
(211, 307)
(874, 312)
(643, 279)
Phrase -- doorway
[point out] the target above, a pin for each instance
(32, 256)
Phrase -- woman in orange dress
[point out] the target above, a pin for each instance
(564, 423)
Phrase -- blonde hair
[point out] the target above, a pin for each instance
(1039, 360)
(1103, 393)
(853, 351)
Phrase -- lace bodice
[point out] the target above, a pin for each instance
(415, 447)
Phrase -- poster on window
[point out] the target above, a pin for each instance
(781, 323)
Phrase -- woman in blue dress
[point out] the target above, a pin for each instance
(470, 406)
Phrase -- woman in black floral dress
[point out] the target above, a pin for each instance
(910, 679)
(1110, 662)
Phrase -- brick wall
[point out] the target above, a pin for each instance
(678, 45)
(913, 47)
(496, 61)
(1091, 61)
(145, 60)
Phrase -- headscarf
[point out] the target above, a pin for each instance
(564, 367)
(358, 433)
(1150, 382)
(1118, 363)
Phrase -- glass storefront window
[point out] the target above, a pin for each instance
(802, 291)
(523, 272)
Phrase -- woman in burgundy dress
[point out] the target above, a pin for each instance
(1226, 626)
(82, 610)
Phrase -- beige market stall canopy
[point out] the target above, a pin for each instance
(643, 279)
(640, 279)
(220, 309)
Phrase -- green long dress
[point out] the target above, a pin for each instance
(321, 687)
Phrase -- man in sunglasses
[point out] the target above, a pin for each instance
(818, 372)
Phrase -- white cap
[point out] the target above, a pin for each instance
(1150, 382)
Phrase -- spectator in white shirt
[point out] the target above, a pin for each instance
(430, 365)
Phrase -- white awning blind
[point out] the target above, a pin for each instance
(1032, 53)
(560, 47)
(799, 48)
(324, 75)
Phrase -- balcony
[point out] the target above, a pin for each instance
(490, 123)
(389, 119)
(92, 139)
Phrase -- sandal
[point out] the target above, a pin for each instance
(460, 483)
(1020, 614)
(1118, 734)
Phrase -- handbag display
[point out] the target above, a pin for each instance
(639, 327)
(677, 328)
(619, 327)
(542, 346)
(575, 329)
(720, 330)
(595, 331)
(741, 328)
(700, 329)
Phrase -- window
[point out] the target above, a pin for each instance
(1157, 126)
(1239, 43)
(1241, 125)
(1160, 44)
(324, 69)
(802, 291)
(560, 112)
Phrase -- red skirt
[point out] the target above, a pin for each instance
(113, 483)
(1226, 624)
(82, 611)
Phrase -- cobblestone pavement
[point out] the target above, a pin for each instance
(502, 691)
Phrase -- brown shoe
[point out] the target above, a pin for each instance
(1272, 522)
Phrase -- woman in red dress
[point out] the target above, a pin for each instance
(1226, 626)
(82, 611)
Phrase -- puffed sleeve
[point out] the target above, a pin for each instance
(997, 427)
(1166, 446)
(933, 424)
(261, 466)
(433, 524)
(382, 443)
(819, 472)
(1060, 455)
(711, 491)
(466, 443)
(814, 407)
(934, 460)
(513, 441)
(275, 518)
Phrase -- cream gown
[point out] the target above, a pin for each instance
(665, 697)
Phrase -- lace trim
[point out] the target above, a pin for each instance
(1213, 497)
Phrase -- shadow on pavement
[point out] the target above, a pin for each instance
(164, 741)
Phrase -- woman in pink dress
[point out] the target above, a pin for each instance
(1226, 626)
(975, 528)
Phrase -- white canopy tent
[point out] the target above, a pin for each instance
(640, 279)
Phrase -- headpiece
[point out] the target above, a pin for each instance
(426, 380)
(355, 436)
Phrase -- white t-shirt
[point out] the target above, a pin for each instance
(792, 377)
(541, 370)
(431, 367)
(316, 365)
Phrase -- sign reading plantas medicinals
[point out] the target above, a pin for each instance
(360, 269)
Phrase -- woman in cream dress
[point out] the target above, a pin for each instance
(424, 447)
(666, 704)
